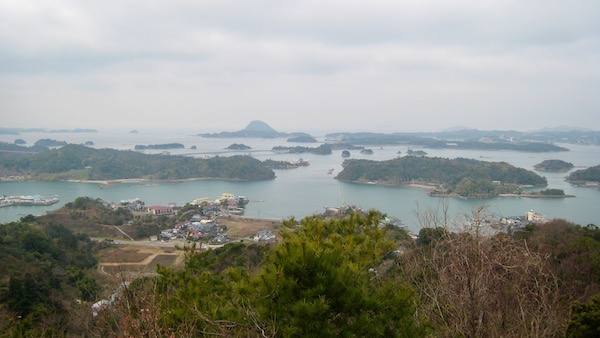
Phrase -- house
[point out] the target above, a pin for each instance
(264, 236)
(160, 210)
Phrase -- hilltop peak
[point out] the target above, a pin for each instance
(259, 126)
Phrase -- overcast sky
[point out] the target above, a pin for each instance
(300, 65)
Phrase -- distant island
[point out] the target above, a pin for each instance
(554, 166)
(47, 143)
(586, 177)
(285, 164)
(78, 130)
(255, 129)
(302, 139)
(160, 146)
(77, 162)
(445, 177)
(480, 140)
(238, 146)
(323, 149)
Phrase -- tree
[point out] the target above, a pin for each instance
(585, 319)
(327, 278)
(305, 286)
(477, 283)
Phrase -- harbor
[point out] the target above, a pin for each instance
(32, 200)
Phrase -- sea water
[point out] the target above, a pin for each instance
(307, 190)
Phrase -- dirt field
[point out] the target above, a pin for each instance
(138, 260)
(244, 227)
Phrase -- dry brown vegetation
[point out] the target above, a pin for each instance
(244, 227)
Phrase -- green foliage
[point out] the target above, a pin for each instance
(553, 192)
(325, 279)
(43, 269)
(585, 319)
(305, 283)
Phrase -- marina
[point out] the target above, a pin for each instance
(27, 200)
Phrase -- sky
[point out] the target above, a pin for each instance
(398, 65)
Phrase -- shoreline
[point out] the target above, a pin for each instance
(432, 188)
(142, 180)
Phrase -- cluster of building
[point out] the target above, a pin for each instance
(517, 223)
(200, 226)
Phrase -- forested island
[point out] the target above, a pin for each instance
(554, 166)
(323, 149)
(76, 162)
(159, 146)
(440, 140)
(238, 146)
(448, 177)
(591, 175)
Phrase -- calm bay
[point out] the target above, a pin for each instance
(307, 190)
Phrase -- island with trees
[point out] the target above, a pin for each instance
(480, 140)
(163, 146)
(238, 146)
(460, 177)
(323, 149)
(77, 162)
(554, 166)
(589, 176)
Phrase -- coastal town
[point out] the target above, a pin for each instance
(204, 219)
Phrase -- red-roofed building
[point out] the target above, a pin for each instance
(160, 210)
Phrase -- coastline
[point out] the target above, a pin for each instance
(142, 180)
(432, 188)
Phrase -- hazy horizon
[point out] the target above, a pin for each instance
(382, 66)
